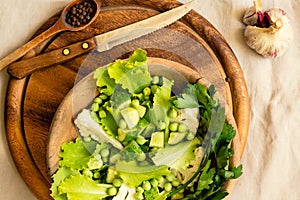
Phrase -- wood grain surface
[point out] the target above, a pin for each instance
(32, 102)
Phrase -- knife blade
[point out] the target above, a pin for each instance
(102, 42)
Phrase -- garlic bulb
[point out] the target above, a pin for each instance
(269, 32)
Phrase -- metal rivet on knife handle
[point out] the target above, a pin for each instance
(85, 45)
(66, 51)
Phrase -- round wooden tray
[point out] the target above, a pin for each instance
(32, 102)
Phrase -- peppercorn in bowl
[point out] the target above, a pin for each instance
(81, 13)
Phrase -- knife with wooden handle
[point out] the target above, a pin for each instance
(102, 42)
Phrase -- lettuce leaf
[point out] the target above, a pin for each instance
(141, 78)
(135, 68)
(88, 127)
(176, 156)
(106, 83)
(83, 188)
(58, 177)
(133, 175)
(120, 99)
(139, 57)
(74, 155)
(161, 103)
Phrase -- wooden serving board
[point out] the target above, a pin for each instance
(32, 102)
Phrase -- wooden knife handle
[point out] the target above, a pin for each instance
(21, 51)
(25, 67)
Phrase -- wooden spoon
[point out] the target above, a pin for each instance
(60, 25)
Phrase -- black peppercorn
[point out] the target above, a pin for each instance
(80, 14)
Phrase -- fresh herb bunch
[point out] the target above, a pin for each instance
(214, 170)
(140, 141)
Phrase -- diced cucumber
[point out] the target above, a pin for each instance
(141, 110)
(157, 139)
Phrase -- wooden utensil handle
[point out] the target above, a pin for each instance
(21, 51)
(23, 68)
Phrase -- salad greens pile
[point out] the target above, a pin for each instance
(140, 141)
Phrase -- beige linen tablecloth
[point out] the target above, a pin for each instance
(271, 159)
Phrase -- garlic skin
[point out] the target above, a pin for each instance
(251, 15)
(270, 35)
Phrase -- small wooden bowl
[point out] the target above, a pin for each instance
(63, 129)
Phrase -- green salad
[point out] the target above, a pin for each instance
(138, 140)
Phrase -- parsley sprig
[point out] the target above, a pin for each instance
(214, 170)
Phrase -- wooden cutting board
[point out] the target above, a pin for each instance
(32, 102)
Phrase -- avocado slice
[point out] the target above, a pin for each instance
(131, 116)
(176, 137)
